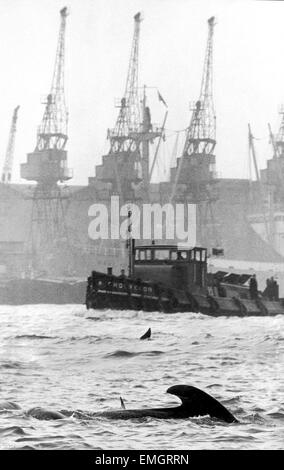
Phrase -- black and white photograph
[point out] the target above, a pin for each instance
(141, 228)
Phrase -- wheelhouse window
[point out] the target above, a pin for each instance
(149, 255)
(143, 254)
(162, 255)
(198, 255)
(182, 255)
(140, 255)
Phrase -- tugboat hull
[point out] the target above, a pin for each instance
(114, 292)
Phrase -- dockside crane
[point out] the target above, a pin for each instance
(128, 121)
(52, 132)
(47, 164)
(200, 138)
(9, 157)
(194, 175)
(127, 162)
(201, 135)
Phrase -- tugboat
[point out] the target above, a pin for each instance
(171, 279)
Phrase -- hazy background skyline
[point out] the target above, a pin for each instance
(248, 72)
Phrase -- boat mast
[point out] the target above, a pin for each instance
(130, 245)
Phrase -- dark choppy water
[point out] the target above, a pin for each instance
(63, 357)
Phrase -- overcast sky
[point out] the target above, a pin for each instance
(248, 71)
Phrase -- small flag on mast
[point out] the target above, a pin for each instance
(161, 98)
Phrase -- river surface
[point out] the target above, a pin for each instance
(67, 358)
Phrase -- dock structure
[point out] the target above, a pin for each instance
(46, 224)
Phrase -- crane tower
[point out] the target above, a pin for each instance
(197, 164)
(195, 170)
(128, 159)
(47, 164)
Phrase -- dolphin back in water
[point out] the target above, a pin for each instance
(194, 402)
(45, 414)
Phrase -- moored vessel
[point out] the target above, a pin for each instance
(171, 279)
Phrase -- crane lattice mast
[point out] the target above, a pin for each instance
(52, 133)
(8, 163)
(128, 121)
(201, 134)
(200, 140)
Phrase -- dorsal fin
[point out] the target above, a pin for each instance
(122, 403)
(147, 335)
(198, 403)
